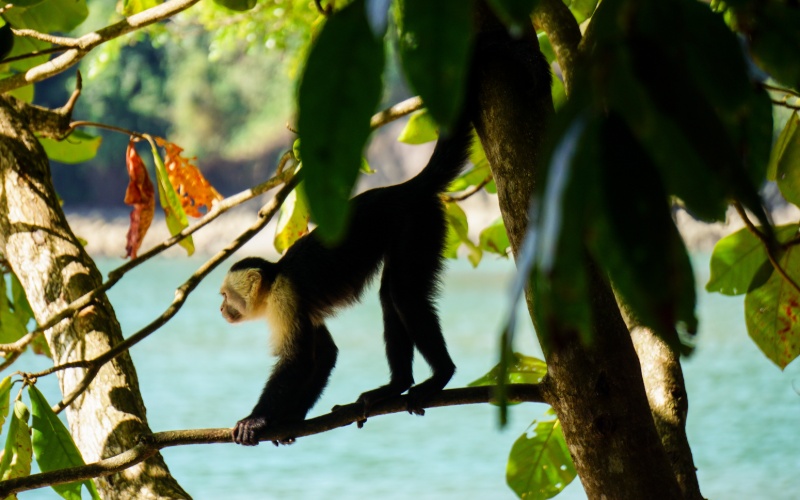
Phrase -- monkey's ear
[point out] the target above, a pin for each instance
(253, 279)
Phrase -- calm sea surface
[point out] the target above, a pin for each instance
(198, 372)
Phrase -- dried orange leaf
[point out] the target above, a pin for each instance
(193, 189)
(141, 195)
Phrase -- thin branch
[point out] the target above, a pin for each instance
(114, 276)
(767, 245)
(181, 294)
(780, 89)
(44, 37)
(113, 128)
(84, 44)
(786, 104)
(395, 112)
(35, 53)
(469, 192)
(343, 416)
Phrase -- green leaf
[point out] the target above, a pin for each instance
(170, 203)
(240, 5)
(292, 221)
(472, 177)
(17, 456)
(5, 399)
(494, 238)
(787, 165)
(539, 465)
(53, 445)
(22, 308)
(581, 9)
(24, 94)
(546, 47)
(738, 257)
(435, 40)
(78, 147)
(421, 128)
(514, 13)
(49, 15)
(788, 136)
(775, 40)
(339, 90)
(521, 369)
(457, 220)
(130, 7)
(772, 312)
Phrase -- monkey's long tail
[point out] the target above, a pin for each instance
(448, 159)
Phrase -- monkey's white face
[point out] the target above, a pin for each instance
(239, 296)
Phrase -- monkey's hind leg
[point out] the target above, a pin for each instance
(399, 349)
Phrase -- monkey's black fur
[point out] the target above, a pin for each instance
(400, 227)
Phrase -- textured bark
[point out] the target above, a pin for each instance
(597, 391)
(669, 404)
(54, 269)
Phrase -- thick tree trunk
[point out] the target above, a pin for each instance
(597, 391)
(54, 269)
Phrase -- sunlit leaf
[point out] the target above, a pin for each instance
(539, 465)
(494, 238)
(141, 195)
(292, 221)
(170, 203)
(5, 399)
(521, 369)
(339, 90)
(787, 165)
(239, 5)
(581, 9)
(75, 148)
(49, 15)
(192, 188)
(18, 454)
(421, 128)
(772, 312)
(53, 445)
(11, 326)
(435, 41)
(130, 7)
(24, 94)
(457, 220)
(738, 257)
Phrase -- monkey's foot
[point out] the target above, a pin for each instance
(248, 429)
(285, 441)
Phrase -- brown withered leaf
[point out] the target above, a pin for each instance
(141, 195)
(193, 189)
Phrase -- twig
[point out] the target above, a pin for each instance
(115, 275)
(767, 245)
(85, 123)
(35, 53)
(343, 416)
(181, 294)
(395, 112)
(468, 192)
(81, 46)
(780, 89)
(44, 37)
(786, 104)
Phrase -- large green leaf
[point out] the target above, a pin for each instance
(78, 147)
(11, 326)
(419, 129)
(514, 13)
(772, 312)
(788, 136)
(738, 258)
(17, 455)
(774, 39)
(435, 42)
(521, 369)
(457, 221)
(22, 308)
(494, 238)
(53, 446)
(539, 465)
(787, 164)
(49, 15)
(339, 91)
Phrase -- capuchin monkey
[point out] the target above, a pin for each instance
(401, 227)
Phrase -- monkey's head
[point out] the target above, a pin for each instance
(245, 289)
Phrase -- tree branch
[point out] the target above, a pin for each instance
(341, 417)
(395, 112)
(468, 192)
(79, 47)
(564, 34)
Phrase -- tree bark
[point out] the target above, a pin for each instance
(54, 270)
(597, 391)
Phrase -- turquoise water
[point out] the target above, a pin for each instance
(198, 372)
